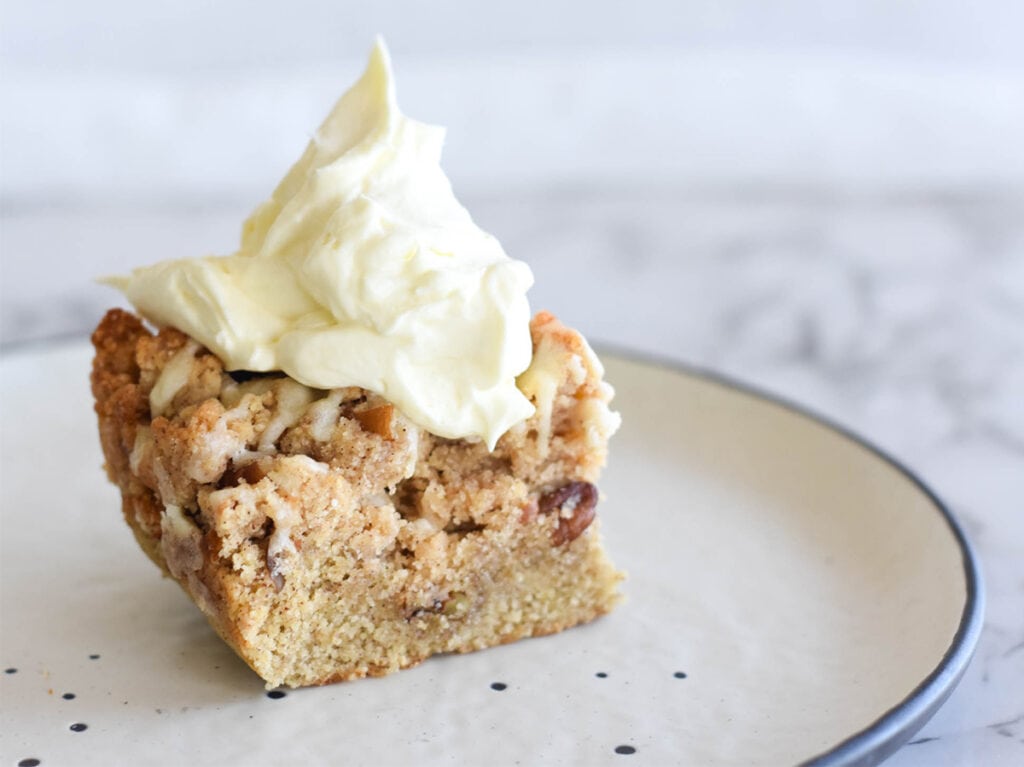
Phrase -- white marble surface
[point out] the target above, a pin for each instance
(706, 117)
(825, 200)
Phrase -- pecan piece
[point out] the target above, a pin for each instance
(576, 503)
(456, 605)
(377, 420)
(462, 528)
(276, 576)
(528, 512)
(250, 472)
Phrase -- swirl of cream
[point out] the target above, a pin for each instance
(362, 269)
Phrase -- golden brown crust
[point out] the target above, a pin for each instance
(325, 536)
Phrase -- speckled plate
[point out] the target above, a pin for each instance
(794, 596)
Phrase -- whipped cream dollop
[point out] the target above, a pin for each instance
(362, 269)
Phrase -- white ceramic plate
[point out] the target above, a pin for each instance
(794, 596)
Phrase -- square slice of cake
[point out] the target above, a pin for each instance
(325, 535)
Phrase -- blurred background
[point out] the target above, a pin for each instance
(824, 199)
(691, 135)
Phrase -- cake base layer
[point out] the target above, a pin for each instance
(325, 536)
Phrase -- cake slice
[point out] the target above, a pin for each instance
(326, 536)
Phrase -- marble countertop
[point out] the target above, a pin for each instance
(900, 317)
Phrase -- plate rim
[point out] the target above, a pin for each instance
(895, 726)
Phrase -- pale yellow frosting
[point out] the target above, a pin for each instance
(362, 269)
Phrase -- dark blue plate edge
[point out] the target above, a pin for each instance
(895, 727)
